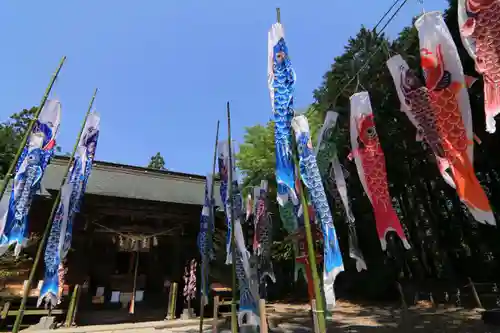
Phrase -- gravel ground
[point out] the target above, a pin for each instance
(355, 318)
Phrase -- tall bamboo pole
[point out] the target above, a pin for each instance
(234, 317)
(310, 249)
(310, 242)
(8, 175)
(41, 244)
(131, 309)
(209, 231)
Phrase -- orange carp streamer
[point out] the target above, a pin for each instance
(443, 105)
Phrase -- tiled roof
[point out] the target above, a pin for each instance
(118, 180)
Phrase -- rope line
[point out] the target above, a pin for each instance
(367, 62)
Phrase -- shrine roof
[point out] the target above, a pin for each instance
(126, 181)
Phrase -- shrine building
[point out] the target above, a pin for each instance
(134, 221)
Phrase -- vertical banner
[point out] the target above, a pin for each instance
(479, 28)
(223, 162)
(309, 172)
(447, 89)
(281, 82)
(28, 174)
(370, 163)
(328, 160)
(72, 192)
(205, 242)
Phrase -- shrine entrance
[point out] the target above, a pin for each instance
(136, 230)
(131, 262)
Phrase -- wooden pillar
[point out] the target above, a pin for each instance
(216, 314)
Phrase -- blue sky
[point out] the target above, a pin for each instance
(165, 68)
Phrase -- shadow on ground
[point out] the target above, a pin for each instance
(361, 318)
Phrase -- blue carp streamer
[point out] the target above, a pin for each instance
(247, 279)
(205, 240)
(310, 175)
(72, 192)
(28, 174)
(328, 161)
(223, 162)
(281, 81)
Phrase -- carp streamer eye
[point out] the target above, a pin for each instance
(328, 132)
(371, 132)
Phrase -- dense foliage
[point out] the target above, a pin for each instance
(12, 132)
(448, 245)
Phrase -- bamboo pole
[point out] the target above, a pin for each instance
(209, 231)
(310, 242)
(41, 244)
(134, 286)
(70, 315)
(310, 250)
(8, 175)
(234, 317)
(475, 294)
(263, 316)
(263, 296)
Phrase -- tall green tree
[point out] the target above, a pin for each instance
(11, 134)
(447, 244)
(157, 162)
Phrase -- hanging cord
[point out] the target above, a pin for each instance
(386, 13)
(358, 84)
(367, 62)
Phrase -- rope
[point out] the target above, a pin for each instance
(367, 62)
(134, 237)
(385, 14)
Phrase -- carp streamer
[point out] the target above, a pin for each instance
(28, 175)
(72, 192)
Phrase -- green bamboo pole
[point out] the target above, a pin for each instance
(310, 242)
(41, 245)
(234, 316)
(8, 175)
(209, 231)
(310, 248)
(70, 315)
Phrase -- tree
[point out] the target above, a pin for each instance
(256, 154)
(157, 162)
(11, 134)
(256, 161)
(447, 243)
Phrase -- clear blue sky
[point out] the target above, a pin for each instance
(165, 68)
